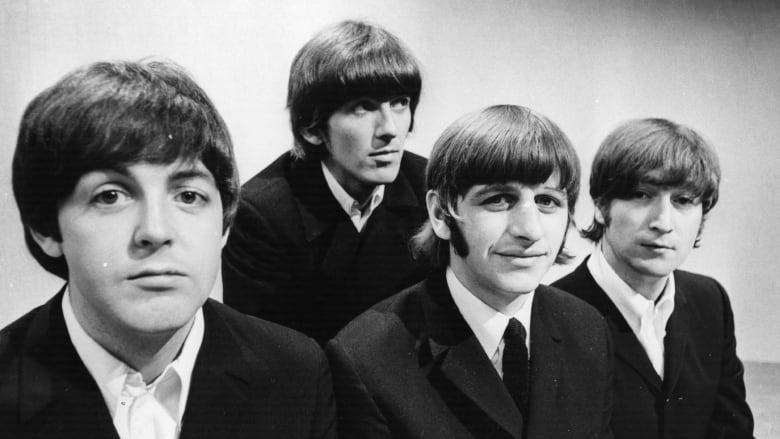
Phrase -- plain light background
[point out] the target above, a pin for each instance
(588, 65)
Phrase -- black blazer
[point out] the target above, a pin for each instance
(295, 258)
(410, 367)
(251, 379)
(703, 392)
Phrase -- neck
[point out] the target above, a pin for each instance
(152, 354)
(507, 303)
(146, 353)
(650, 287)
(359, 191)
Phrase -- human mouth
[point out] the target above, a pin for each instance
(383, 152)
(656, 246)
(156, 279)
(521, 258)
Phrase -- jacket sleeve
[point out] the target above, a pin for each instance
(609, 385)
(358, 414)
(254, 263)
(324, 422)
(731, 417)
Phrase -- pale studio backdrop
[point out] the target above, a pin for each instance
(714, 65)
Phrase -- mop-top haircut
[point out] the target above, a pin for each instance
(348, 61)
(498, 144)
(110, 115)
(651, 151)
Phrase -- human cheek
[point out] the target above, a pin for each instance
(403, 121)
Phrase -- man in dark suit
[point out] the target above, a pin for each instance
(126, 184)
(449, 356)
(321, 234)
(677, 372)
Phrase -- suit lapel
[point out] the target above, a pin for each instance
(546, 357)
(399, 195)
(219, 387)
(57, 393)
(676, 339)
(322, 215)
(317, 206)
(627, 346)
(456, 353)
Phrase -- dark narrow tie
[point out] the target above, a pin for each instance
(515, 365)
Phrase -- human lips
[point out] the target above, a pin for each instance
(521, 256)
(155, 272)
(383, 152)
(157, 278)
(657, 246)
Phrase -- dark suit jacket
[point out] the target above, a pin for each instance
(411, 367)
(251, 379)
(703, 392)
(295, 258)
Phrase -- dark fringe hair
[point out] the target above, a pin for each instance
(502, 143)
(350, 60)
(108, 115)
(652, 151)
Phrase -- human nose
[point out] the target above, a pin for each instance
(525, 223)
(386, 129)
(154, 228)
(661, 214)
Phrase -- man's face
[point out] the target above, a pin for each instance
(513, 233)
(142, 246)
(650, 234)
(365, 141)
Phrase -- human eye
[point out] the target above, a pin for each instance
(363, 106)
(400, 103)
(191, 198)
(548, 202)
(497, 202)
(644, 192)
(687, 200)
(110, 197)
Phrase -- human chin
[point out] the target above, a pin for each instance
(160, 314)
(528, 278)
(381, 175)
(655, 267)
(517, 283)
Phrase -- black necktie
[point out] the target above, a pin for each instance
(515, 365)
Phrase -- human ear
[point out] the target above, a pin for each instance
(48, 244)
(312, 136)
(437, 215)
(225, 235)
(599, 214)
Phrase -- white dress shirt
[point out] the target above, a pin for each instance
(138, 409)
(358, 213)
(488, 324)
(646, 318)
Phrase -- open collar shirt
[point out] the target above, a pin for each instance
(358, 213)
(121, 386)
(647, 318)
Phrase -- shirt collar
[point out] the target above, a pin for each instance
(358, 213)
(632, 305)
(488, 324)
(110, 373)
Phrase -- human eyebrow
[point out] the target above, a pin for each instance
(491, 188)
(122, 170)
(557, 190)
(191, 174)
